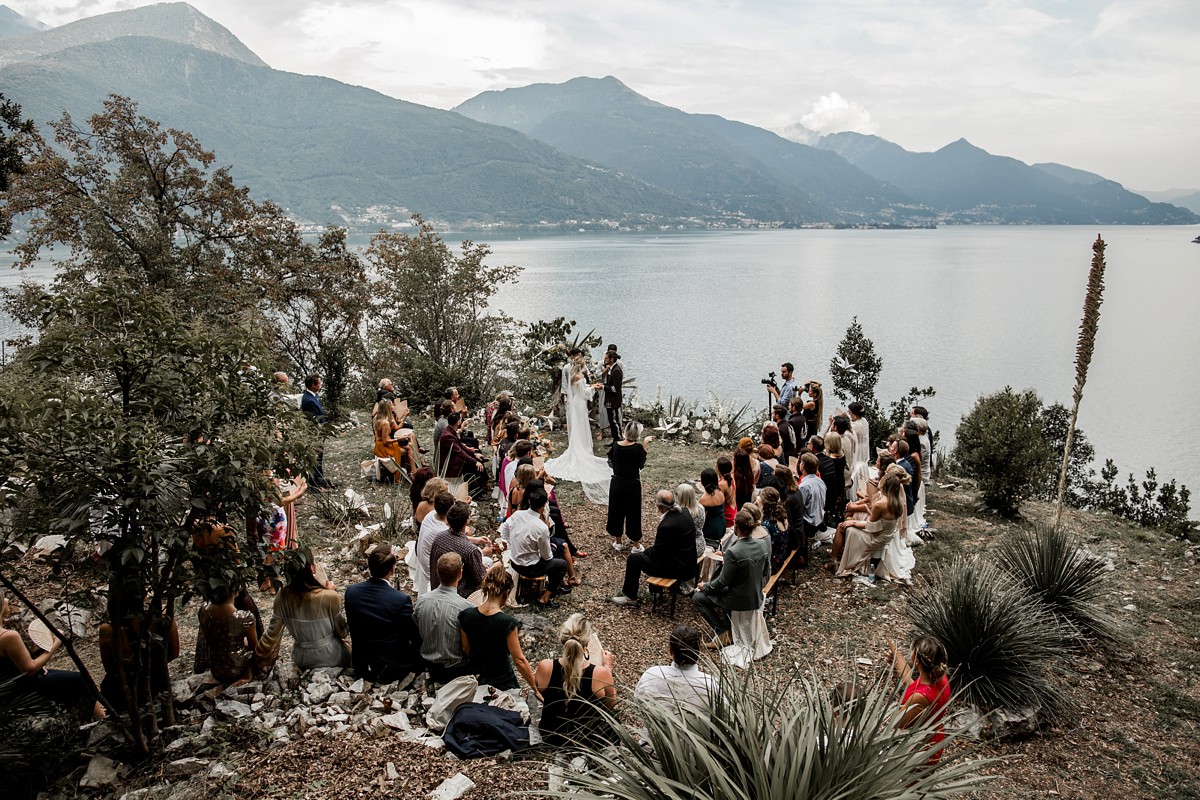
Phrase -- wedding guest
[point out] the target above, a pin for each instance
(832, 466)
(916, 434)
(227, 636)
(385, 639)
(491, 638)
(798, 421)
(685, 496)
(436, 615)
(574, 691)
(310, 406)
(814, 406)
(419, 478)
(443, 409)
(771, 438)
(673, 554)
(789, 444)
(739, 585)
(681, 684)
(59, 686)
(455, 539)
(522, 449)
(744, 478)
(627, 458)
(310, 609)
(531, 552)
(926, 694)
(767, 462)
(862, 433)
(387, 445)
(812, 496)
(459, 460)
(839, 424)
(431, 526)
(725, 484)
(714, 505)
(860, 543)
(775, 522)
(516, 489)
(431, 487)
(904, 458)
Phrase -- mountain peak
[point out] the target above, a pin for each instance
(14, 24)
(175, 22)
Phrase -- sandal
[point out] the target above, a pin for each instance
(581, 554)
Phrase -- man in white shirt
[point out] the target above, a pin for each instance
(682, 682)
(530, 550)
(434, 524)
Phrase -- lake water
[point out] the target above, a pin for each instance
(967, 310)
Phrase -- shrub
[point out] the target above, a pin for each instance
(1069, 584)
(1002, 645)
(781, 739)
(1001, 445)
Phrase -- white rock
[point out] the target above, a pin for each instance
(319, 693)
(341, 698)
(397, 722)
(358, 687)
(101, 772)
(233, 708)
(392, 773)
(48, 544)
(219, 770)
(434, 742)
(452, 788)
(184, 767)
(207, 727)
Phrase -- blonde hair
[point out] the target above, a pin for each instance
(497, 583)
(382, 410)
(574, 635)
(833, 445)
(524, 474)
(433, 487)
(892, 485)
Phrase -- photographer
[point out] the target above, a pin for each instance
(782, 394)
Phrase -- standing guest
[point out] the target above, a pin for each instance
(431, 527)
(614, 380)
(926, 694)
(862, 434)
(59, 686)
(681, 684)
(839, 424)
(531, 552)
(455, 539)
(789, 493)
(311, 610)
(574, 691)
(436, 615)
(925, 448)
(813, 408)
(798, 422)
(739, 585)
(767, 462)
(385, 639)
(310, 404)
(491, 639)
(783, 394)
(627, 458)
(912, 438)
(812, 497)
(673, 554)
(770, 437)
(713, 503)
(725, 484)
(743, 477)
(788, 443)
(775, 522)
(832, 466)
(903, 455)
(506, 442)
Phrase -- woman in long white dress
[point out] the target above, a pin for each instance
(578, 463)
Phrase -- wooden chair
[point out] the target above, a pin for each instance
(770, 591)
(530, 587)
(660, 587)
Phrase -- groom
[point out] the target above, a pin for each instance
(614, 377)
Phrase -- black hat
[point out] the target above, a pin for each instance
(612, 348)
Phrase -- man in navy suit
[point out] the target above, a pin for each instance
(310, 404)
(384, 635)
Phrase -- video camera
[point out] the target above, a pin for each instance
(769, 380)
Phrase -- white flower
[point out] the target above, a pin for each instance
(705, 435)
(724, 430)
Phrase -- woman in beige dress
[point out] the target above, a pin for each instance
(860, 543)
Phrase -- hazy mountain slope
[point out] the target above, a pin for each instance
(175, 22)
(327, 150)
(13, 24)
(1069, 174)
(728, 166)
(970, 184)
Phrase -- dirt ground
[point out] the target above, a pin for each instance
(1133, 726)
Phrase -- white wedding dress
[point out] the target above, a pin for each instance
(578, 463)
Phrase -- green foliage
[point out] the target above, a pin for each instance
(38, 740)
(773, 739)
(1056, 419)
(1002, 644)
(1048, 564)
(12, 162)
(1148, 503)
(1000, 444)
(543, 353)
(432, 313)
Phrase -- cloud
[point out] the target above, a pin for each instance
(833, 113)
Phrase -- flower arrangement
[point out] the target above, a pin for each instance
(719, 422)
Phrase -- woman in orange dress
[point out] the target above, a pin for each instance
(383, 417)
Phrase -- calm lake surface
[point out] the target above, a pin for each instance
(967, 310)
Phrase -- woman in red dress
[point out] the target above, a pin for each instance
(926, 686)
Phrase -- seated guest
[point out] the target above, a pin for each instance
(772, 440)
(685, 496)
(574, 690)
(516, 488)
(227, 635)
(436, 615)
(682, 683)
(391, 440)
(926, 686)
(673, 554)
(311, 610)
(387, 645)
(461, 460)
(433, 525)
(812, 495)
(424, 506)
(767, 462)
(739, 585)
(558, 525)
(775, 522)
(442, 410)
(491, 639)
(455, 540)
(531, 552)
(59, 686)
(521, 450)
(713, 503)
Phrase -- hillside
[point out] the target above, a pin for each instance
(328, 151)
(727, 166)
(13, 24)
(968, 184)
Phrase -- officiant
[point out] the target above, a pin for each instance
(614, 378)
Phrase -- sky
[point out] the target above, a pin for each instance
(1109, 87)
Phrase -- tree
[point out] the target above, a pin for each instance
(1056, 420)
(12, 162)
(432, 311)
(1000, 443)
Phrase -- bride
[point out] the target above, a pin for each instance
(578, 463)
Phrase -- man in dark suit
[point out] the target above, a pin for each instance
(386, 642)
(310, 405)
(461, 461)
(787, 434)
(739, 585)
(672, 556)
(614, 379)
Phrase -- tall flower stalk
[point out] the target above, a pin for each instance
(1083, 359)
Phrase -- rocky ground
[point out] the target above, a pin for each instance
(327, 734)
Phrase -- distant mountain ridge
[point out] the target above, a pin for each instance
(727, 166)
(968, 184)
(14, 24)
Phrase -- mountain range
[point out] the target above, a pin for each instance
(588, 152)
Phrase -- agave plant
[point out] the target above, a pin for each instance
(1047, 562)
(772, 739)
(1002, 644)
